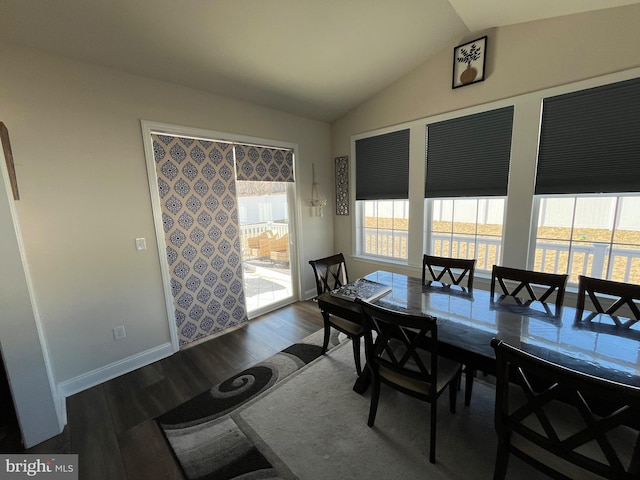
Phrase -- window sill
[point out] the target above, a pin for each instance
(381, 260)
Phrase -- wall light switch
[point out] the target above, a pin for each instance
(141, 244)
(119, 333)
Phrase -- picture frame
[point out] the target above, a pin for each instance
(342, 185)
(8, 155)
(469, 60)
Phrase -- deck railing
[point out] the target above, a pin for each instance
(485, 250)
(255, 229)
(582, 258)
(598, 260)
(590, 259)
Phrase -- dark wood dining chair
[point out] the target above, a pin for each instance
(617, 297)
(586, 443)
(405, 357)
(515, 282)
(331, 273)
(448, 271)
(452, 271)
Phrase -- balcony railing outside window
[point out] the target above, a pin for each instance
(599, 260)
(593, 235)
(386, 228)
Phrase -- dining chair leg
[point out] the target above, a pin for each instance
(327, 332)
(356, 354)
(432, 441)
(469, 375)
(375, 395)
(502, 461)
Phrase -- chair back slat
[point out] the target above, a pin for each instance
(604, 407)
(621, 295)
(525, 280)
(448, 271)
(330, 273)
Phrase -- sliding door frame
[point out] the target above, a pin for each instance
(149, 127)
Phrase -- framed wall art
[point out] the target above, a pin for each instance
(342, 185)
(8, 156)
(469, 62)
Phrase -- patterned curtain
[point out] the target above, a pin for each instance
(197, 192)
(263, 164)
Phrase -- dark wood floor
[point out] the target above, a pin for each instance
(111, 426)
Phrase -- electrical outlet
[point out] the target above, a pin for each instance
(119, 333)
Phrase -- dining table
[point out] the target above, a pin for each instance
(469, 319)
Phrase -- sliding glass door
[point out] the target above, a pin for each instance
(264, 214)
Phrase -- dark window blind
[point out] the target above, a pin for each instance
(590, 141)
(469, 156)
(382, 166)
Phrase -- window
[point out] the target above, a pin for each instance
(385, 229)
(466, 228)
(382, 184)
(467, 172)
(587, 183)
(593, 235)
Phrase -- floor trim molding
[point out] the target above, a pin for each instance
(108, 372)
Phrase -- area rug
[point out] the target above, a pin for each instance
(315, 424)
(311, 425)
(205, 438)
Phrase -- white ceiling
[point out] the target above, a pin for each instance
(315, 58)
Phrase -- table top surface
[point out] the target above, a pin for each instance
(469, 320)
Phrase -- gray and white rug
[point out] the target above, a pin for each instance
(316, 425)
(205, 438)
(313, 426)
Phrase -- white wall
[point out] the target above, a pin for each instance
(521, 59)
(21, 349)
(78, 151)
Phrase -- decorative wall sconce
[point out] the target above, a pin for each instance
(318, 200)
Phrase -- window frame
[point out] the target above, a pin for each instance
(608, 266)
(428, 226)
(358, 227)
(361, 238)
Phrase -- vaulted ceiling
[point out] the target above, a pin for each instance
(315, 58)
